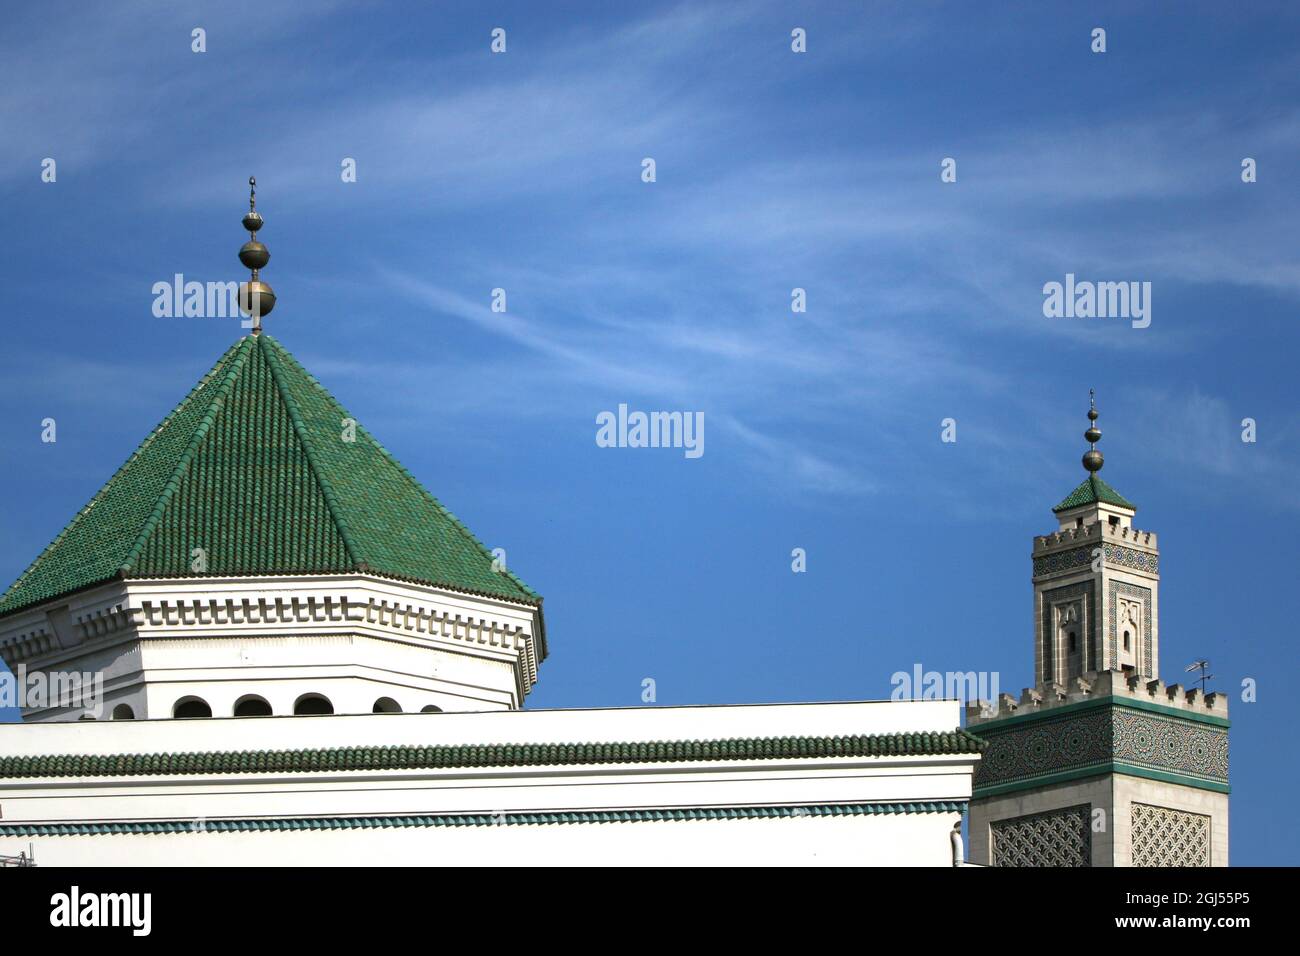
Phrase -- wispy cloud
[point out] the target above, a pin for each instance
(522, 172)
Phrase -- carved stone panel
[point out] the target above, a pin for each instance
(1055, 838)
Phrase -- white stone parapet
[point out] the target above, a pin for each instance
(1095, 531)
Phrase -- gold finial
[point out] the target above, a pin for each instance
(255, 296)
(1092, 459)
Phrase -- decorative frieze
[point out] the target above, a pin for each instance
(1100, 738)
(1112, 554)
(492, 630)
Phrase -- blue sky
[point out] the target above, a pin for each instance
(774, 170)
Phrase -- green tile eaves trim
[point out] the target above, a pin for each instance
(477, 819)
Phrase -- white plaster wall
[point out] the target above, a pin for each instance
(351, 670)
(920, 839)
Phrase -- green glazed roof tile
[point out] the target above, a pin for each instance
(457, 756)
(1093, 490)
(252, 469)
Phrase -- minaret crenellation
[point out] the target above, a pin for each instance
(1094, 686)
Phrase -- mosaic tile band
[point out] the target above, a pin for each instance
(1098, 736)
(1113, 554)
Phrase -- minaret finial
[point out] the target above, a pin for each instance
(1092, 460)
(255, 296)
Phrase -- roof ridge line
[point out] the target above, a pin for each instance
(446, 512)
(295, 417)
(145, 442)
(173, 480)
(415, 482)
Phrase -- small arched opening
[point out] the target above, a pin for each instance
(252, 706)
(123, 712)
(431, 709)
(190, 707)
(312, 705)
(386, 705)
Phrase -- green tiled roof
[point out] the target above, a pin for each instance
(1091, 491)
(253, 469)
(674, 814)
(459, 756)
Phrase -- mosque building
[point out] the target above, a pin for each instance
(299, 655)
(264, 642)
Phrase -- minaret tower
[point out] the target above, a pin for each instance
(1096, 583)
(1100, 763)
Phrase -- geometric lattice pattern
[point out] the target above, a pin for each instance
(1055, 838)
(1164, 837)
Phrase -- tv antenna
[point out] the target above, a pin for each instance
(1202, 665)
(22, 859)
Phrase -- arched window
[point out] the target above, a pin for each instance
(1074, 642)
(386, 705)
(430, 709)
(188, 707)
(312, 704)
(1126, 641)
(123, 712)
(252, 706)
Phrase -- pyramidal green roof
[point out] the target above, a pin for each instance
(1091, 491)
(253, 469)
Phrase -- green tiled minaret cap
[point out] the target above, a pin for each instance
(1093, 490)
(260, 472)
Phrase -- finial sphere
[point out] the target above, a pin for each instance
(254, 255)
(1092, 460)
(1092, 435)
(256, 298)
